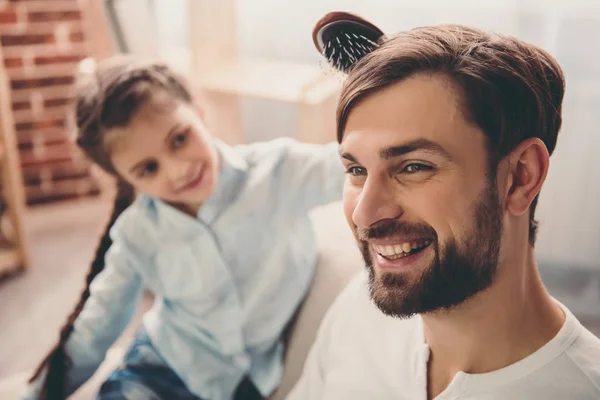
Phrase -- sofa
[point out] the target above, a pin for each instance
(339, 260)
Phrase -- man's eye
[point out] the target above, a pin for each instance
(356, 171)
(149, 169)
(416, 167)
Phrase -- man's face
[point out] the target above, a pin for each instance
(420, 197)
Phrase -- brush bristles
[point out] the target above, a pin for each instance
(346, 49)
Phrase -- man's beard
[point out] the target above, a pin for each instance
(456, 273)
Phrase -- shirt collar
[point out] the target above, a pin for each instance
(230, 157)
(232, 174)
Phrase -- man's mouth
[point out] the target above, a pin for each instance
(399, 250)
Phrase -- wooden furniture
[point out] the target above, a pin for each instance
(13, 243)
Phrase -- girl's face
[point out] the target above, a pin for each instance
(167, 152)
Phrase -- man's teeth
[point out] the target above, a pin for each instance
(403, 249)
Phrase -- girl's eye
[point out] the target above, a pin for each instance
(416, 167)
(356, 171)
(149, 169)
(180, 139)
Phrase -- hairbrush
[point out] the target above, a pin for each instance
(344, 38)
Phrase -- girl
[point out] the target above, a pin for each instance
(220, 235)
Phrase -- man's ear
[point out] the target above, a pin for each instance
(528, 168)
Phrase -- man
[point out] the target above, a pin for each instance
(445, 133)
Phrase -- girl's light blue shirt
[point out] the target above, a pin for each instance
(227, 282)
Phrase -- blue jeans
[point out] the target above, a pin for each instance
(144, 375)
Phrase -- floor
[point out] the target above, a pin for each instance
(34, 304)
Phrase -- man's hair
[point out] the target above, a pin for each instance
(510, 89)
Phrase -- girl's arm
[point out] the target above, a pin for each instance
(106, 304)
(314, 173)
(114, 295)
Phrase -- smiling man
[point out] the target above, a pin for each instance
(445, 133)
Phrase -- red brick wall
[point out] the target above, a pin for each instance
(42, 41)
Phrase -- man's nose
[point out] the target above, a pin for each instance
(376, 202)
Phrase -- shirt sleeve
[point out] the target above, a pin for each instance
(114, 294)
(314, 172)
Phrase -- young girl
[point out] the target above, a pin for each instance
(220, 235)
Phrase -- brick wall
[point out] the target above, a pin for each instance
(42, 41)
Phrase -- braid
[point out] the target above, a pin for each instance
(57, 361)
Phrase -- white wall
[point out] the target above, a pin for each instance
(137, 23)
(172, 30)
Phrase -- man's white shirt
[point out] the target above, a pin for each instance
(360, 353)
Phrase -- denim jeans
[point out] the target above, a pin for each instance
(144, 375)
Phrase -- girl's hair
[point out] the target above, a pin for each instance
(106, 96)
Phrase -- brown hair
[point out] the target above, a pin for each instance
(105, 98)
(511, 89)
